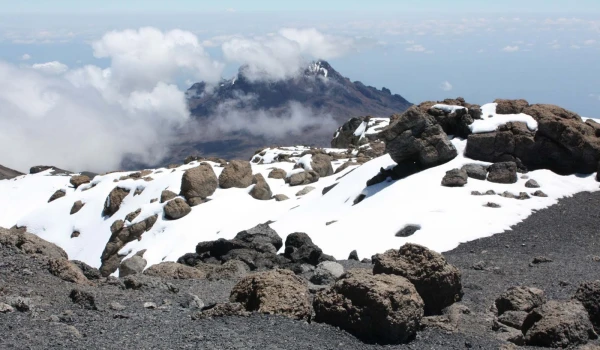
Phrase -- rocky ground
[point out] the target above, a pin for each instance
(142, 312)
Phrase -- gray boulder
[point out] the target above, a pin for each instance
(277, 174)
(327, 272)
(261, 189)
(520, 299)
(455, 178)
(503, 172)
(321, 164)
(475, 171)
(302, 178)
(132, 266)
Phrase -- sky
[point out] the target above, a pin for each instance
(122, 67)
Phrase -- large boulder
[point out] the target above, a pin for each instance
(503, 173)
(120, 236)
(302, 178)
(167, 195)
(588, 294)
(199, 182)
(30, 244)
(78, 180)
(277, 174)
(417, 137)
(438, 282)
(455, 178)
(376, 308)
(558, 324)
(176, 209)
(453, 121)
(476, 171)
(299, 248)
(261, 189)
(520, 298)
(112, 204)
(563, 142)
(237, 173)
(67, 271)
(321, 164)
(276, 292)
(132, 266)
(175, 271)
(261, 237)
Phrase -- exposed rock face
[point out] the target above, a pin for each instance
(67, 271)
(417, 137)
(475, 171)
(277, 292)
(176, 209)
(132, 266)
(175, 271)
(321, 164)
(30, 244)
(58, 194)
(120, 236)
(78, 180)
(558, 324)
(504, 173)
(455, 178)
(167, 195)
(453, 122)
(563, 143)
(376, 308)
(237, 173)
(510, 106)
(438, 283)
(261, 189)
(114, 200)
(344, 136)
(588, 294)
(199, 182)
(520, 299)
(277, 174)
(77, 207)
(302, 178)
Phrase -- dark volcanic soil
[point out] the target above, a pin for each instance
(566, 233)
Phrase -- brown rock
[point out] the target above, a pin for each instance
(376, 308)
(510, 106)
(520, 299)
(134, 214)
(237, 173)
(277, 174)
(30, 244)
(167, 195)
(321, 164)
(261, 189)
(114, 200)
(176, 209)
(175, 271)
(277, 292)
(78, 180)
(345, 166)
(200, 181)
(67, 271)
(588, 294)
(305, 191)
(77, 207)
(281, 197)
(58, 194)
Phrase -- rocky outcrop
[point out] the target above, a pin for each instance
(563, 142)
(510, 106)
(455, 178)
(261, 189)
(30, 244)
(237, 173)
(438, 282)
(588, 294)
(120, 236)
(132, 266)
(417, 137)
(520, 299)
(114, 200)
(198, 183)
(454, 122)
(175, 271)
(275, 292)
(67, 271)
(503, 173)
(344, 137)
(376, 308)
(176, 209)
(558, 324)
(299, 248)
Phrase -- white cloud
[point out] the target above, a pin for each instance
(589, 42)
(283, 54)
(510, 48)
(480, 51)
(26, 57)
(53, 67)
(416, 48)
(575, 47)
(555, 46)
(446, 86)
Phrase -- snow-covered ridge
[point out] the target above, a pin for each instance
(317, 68)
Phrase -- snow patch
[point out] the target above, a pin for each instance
(447, 108)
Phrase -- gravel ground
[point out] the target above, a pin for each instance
(566, 233)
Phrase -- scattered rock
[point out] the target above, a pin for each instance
(408, 230)
(176, 209)
(353, 255)
(77, 207)
(455, 178)
(261, 189)
(192, 301)
(558, 324)
(167, 195)
(278, 292)
(281, 197)
(345, 166)
(491, 205)
(67, 271)
(116, 306)
(321, 164)
(84, 299)
(91, 273)
(302, 178)
(58, 194)
(438, 282)
(114, 200)
(299, 248)
(540, 260)
(475, 171)
(75, 234)
(134, 214)
(277, 174)
(532, 184)
(539, 193)
(221, 310)
(132, 266)
(376, 308)
(305, 190)
(237, 173)
(199, 182)
(479, 266)
(150, 305)
(21, 304)
(588, 294)
(328, 188)
(504, 172)
(5, 308)
(520, 299)
(78, 180)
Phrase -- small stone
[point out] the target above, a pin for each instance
(116, 306)
(479, 266)
(476, 193)
(330, 222)
(408, 230)
(281, 197)
(540, 259)
(539, 193)
(5, 308)
(455, 178)
(75, 234)
(192, 301)
(523, 196)
(150, 305)
(305, 191)
(492, 205)
(532, 184)
(490, 192)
